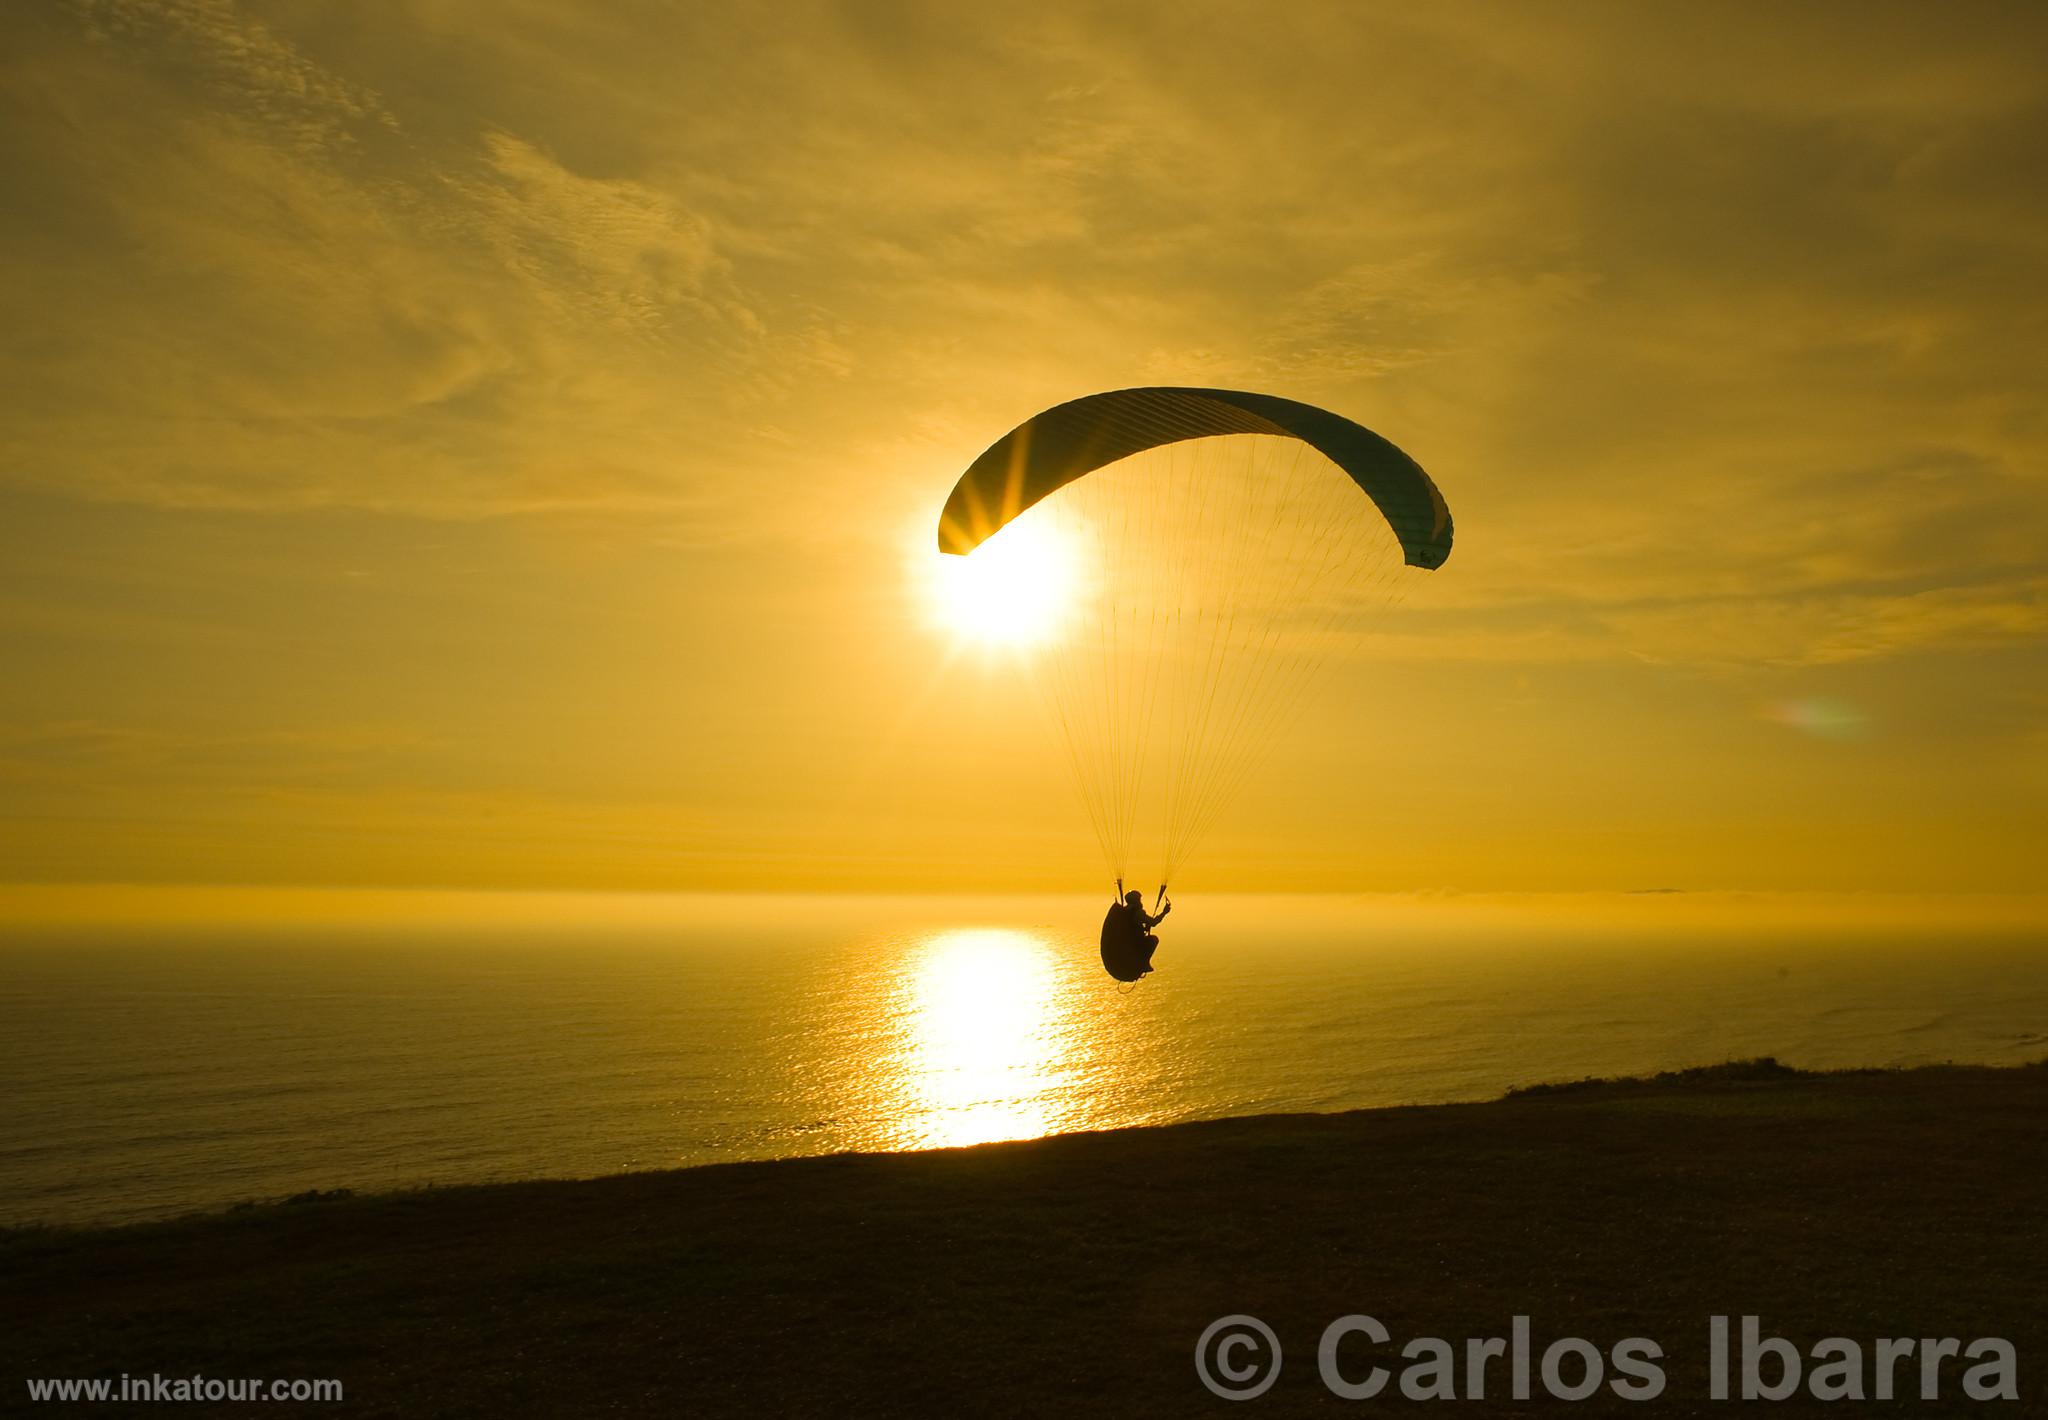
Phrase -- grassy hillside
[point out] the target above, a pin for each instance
(1074, 1274)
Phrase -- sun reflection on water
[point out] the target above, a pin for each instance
(988, 1038)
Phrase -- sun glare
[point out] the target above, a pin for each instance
(1010, 591)
(987, 1037)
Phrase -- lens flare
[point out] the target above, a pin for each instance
(1827, 719)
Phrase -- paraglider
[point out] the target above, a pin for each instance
(1128, 941)
(1224, 546)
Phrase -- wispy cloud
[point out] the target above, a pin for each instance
(245, 66)
(675, 242)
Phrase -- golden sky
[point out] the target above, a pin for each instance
(484, 442)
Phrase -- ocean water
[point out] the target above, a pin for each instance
(152, 1070)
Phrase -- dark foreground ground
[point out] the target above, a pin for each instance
(1074, 1274)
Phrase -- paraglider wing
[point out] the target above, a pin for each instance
(1208, 557)
(1051, 450)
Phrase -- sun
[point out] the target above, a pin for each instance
(1012, 591)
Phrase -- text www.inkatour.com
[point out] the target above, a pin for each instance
(172, 1388)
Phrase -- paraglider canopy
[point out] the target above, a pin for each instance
(1052, 449)
(1214, 554)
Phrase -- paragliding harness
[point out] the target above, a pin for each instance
(1124, 954)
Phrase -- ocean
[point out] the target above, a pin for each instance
(154, 1068)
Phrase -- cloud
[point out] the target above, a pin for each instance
(1701, 315)
(277, 298)
(245, 65)
(611, 251)
(84, 755)
(628, 348)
